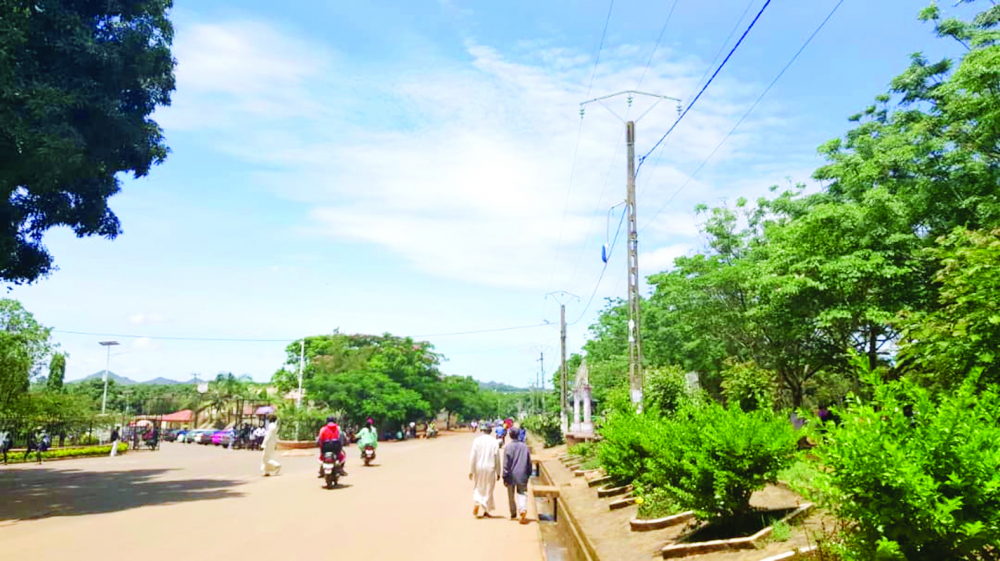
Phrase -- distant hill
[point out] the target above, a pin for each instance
(163, 382)
(498, 387)
(123, 381)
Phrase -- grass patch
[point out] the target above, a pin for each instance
(781, 531)
(656, 504)
(803, 478)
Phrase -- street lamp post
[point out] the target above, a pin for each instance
(107, 365)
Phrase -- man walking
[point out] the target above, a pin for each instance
(268, 465)
(115, 437)
(516, 471)
(6, 443)
(484, 470)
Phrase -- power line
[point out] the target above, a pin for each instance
(656, 45)
(722, 47)
(747, 114)
(614, 155)
(543, 324)
(708, 68)
(579, 131)
(603, 270)
(705, 87)
(248, 340)
(216, 339)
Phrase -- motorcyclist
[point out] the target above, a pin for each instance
(367, 436)
(330, 441)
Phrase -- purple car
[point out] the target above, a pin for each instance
(222, 437)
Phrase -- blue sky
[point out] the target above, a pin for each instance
(403, 167)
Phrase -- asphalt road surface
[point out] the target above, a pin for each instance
(189, 502)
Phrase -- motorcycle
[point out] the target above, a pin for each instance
(432, 433)
(332, 469)
(369, 454)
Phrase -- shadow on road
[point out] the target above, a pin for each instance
(41, 493)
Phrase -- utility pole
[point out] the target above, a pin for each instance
(634, 339)
(563, 413)
(302, 359)
(541, 388)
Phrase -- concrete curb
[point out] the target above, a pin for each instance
(749, 542)
(802, 551)
(605, 491)
(660, 523)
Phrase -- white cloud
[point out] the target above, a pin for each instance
(460, 168)
(146, 344)
(662, 258)
(145, 319)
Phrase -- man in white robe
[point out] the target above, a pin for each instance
(268, 465)
(484, 470)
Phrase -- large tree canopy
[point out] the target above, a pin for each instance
(78, 82)
(792, 286)
(24, 344)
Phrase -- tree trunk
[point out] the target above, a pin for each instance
(872, 347)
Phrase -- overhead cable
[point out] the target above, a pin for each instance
(747, 114)
(705, 87)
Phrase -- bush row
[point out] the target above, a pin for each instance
(57, 453)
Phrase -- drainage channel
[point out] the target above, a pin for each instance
(553, 533)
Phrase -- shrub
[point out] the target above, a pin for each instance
(665, 390)
(627, 445)
(584, 450)
(58, 453)
(546, 426)
(918, 478)
(711, 458)
(300, 423)
(749, 386)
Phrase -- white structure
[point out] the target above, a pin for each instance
(581, 394)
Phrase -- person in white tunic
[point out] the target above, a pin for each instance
(268, 465)
(484, 470)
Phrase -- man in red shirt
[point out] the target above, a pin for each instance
(330, 440)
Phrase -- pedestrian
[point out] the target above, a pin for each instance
(268, 465)
(258, 437)
(516, 471)
(115, 437)
(484, 470)
(31, 445)
(6, 443)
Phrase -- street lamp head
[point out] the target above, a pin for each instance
(108, 343)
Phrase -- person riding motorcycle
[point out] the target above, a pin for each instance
(367, 436)
(330, 441)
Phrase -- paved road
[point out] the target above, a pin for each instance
(191, 502)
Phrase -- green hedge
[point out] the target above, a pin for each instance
(17, 457)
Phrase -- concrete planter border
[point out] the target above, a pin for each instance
(606, 491)
(794, 554)
(756, 541)
(623, 503)
(296, 444)
(598, 481)
(638, 525)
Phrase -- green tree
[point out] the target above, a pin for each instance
(962, 332)
(24, 343)
(57, 372)
(78, 83)
(359, 395)
(460, 397)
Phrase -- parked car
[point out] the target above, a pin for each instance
(222, 437)
(203, 437)
(174, 435)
